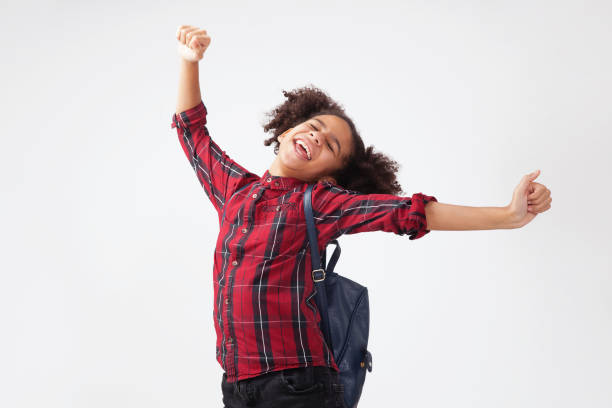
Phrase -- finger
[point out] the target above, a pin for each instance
(535, 203)
(535, 190)
(531, 176)
(190, 33)
(540, 207)
(199, 41)
(546, 208)
(184, 33)
(202, 38)
(543, 195)
(540, 194)
(536, 200)
(194, 43)
(180, 29)
(533, 186)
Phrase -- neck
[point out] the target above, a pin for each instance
(277, 171)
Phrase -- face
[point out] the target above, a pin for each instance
(328, 140)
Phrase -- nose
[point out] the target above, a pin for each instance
(315, 138)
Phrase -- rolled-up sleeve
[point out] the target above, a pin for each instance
(339, 211)
(219, 175)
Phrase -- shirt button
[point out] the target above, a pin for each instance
(268, 179)
(229, 340)
(255, 195)
(244, 230)
(278, 208)
(276, 183)
(235, 263)
(227, 301)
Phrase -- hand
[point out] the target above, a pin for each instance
(192, 42)
(528, 200)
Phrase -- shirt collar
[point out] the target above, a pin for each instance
(280, 183)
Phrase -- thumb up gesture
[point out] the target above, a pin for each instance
(192, 42)
(528, 200)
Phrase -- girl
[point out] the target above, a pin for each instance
(268, 340)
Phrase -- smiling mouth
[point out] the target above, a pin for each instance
(300, 151)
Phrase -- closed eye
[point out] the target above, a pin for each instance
(328, 145)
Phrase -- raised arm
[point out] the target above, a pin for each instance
(188, 87)
(197, 41)
(218, 174)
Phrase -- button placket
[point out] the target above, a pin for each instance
(229, 357)
(235, 259)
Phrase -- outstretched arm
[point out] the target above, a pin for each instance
(449, 217)
(338, 211)
(528, 200)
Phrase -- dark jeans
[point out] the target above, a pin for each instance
(303, 387)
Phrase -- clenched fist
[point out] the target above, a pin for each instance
(192, 42)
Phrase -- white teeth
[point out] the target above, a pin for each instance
(305, 147)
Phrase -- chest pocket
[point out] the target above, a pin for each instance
(274, 230)
(282, 218)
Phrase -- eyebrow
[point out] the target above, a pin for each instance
(333, 137)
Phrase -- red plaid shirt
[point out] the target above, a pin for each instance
(265, 315)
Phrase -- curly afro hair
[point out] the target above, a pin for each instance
(364, 171)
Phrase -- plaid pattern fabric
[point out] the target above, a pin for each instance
(264, 310)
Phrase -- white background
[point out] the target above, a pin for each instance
(107, 236)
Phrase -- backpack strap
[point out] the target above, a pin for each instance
(318, 273)
(334, 258)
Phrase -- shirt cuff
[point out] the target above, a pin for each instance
(190, 117)
(418, 205)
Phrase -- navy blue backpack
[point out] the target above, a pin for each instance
(345, 313)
